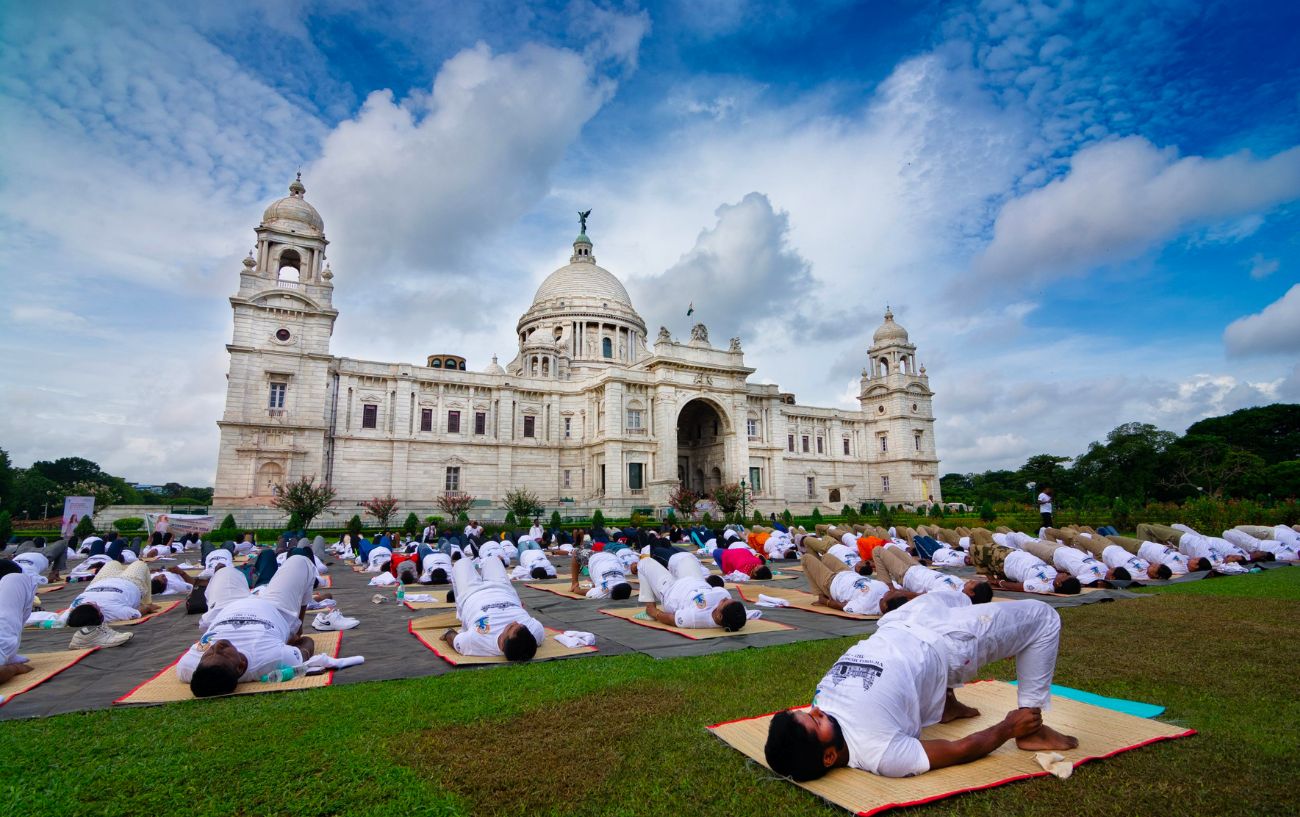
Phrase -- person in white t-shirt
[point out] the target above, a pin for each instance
(17, 593)
(680, 596)
(34, 565)
(870, 708)
(533, 564)
(904, 571)
(1120, 563)
(1159, 554)
(852, 590)
(117, 593)
(493, 620)
(1079, 564)
(170, 581)
(607, 571)
(436, 567)
(1280, 549)
(473, 529)
(247, 636)
(1019, 570)
(1045, 498)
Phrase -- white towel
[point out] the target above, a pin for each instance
(419, 597)
(383, 580)
(576, 638)
(38, 617)
(1055, 763)
(765, 600)
(750, 615)
(1231, 568)
(736, 577)
(188, 566)
(321, 662)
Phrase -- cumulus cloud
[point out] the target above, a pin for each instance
(1275, 330)
(1123, 198)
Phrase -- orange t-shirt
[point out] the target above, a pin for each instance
(867, 544)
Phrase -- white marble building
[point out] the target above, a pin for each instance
(591, 409)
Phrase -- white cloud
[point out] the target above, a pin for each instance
(1275, 330)
(1261, 267)
(1123, 198)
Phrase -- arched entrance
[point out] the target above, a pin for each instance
(702, 431)
(269, 476)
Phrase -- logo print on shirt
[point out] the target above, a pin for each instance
(859, 585)
(482, 626)
(867, 671)
(698, 601)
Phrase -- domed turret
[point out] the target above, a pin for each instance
(889, 331)
(293, 214)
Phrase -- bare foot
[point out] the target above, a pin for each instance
(19, 669)
(1046, 738)
(954, 709)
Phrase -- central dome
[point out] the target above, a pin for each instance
(581, 280)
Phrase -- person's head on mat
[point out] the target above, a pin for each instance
(517, 643)
(980, 592)
(804, 745)
(730, 615)
(1156, 571)
(437, 576)
(893, 599)
(539, 573)
(1200, 564)
(1067, 584)
(761, 572)
(86, 614)
(620, 591)
(1120, 573)
(219, 670)
(714, 580)
(157, 585)
(864, 568)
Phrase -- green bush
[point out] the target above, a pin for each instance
(636, 520)
(510, 520)
(936, 511)
(758, 517)
(129, 523)
(886, 517)
(706, 520)
(84, 528)
(354, 526)
(464, 517)
(787, 517)
(412, 523)
(294, 523)
(671, 517)
(555, 519)
(598, 519)
(6, 527)
(987, 513)
(816, 516)
(228, 523)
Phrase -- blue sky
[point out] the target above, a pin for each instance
(1084, 213)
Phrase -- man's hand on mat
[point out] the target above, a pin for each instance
(1024, 721)
(148, 609)
(449, 636)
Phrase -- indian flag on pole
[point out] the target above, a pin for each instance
(690, 310)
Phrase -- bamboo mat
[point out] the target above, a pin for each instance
(637, 615)
(546, 651)
(45, 665)
(799, 600)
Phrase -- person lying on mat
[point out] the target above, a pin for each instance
(493, 620)
(1077, 563)
(117, 593)
(1193, 545)
(842, 588)
(870, 708)
(606, 571)
(680, 596)
(1020, 570)
(1120, 564)
(436, 565)
(169, 581)
(1159, 554)
(1279, 549)
(904, 571)
(248, 636)
(533, 564)
(740, 559)
(17, 593)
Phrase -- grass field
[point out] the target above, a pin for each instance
(625, 735)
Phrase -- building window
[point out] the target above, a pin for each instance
(567, 480)
(789, 440)
(607, 347)
(453, 478)
(453, 422)
(812, 487)
(426, 419)
(634, 419)
(805, 443)
(884, 485)
(635, 476)
(480, 422)
(756, 479)
(530, 425)
(821, 445)
(846, 446)
(751, 428)
(276, 401)
(917, 439)
(884, 442)
(369, 415)
(568, 427)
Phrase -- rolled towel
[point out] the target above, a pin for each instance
(1055, 763)
(750, 615)
(735, 577)
(422, 598)
(319, 663)
(765, 600)
(383, 580)
(576, 638)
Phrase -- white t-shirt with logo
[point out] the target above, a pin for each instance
(882, 692)
(605, 571)
(377, 557)
(1078, 564)
(435, 561)
(33, 564)
(220, 556)
(1036, 575)
(1116, 556)
(858, 594)
(1157, 553)
(175, 584)
(847, 555)
(258, 629)
(117, 599)
(692, 601)
(948, 557)
(485, 614)
(921, 579)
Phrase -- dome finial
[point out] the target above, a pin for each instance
(296, 188)
(889, 315)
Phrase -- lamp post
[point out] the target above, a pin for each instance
(743, 496)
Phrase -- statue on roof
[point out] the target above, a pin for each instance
(582, 219)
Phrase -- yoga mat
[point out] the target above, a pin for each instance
(799, 600)
(45, 665)
(562, 589)
(1135, 708)
(1101, 732)
(546, 651)
(754, 627)
(128, 622)
(430, 605)
(52, 587)
(165, 687)
(326, 581)
(436, 621)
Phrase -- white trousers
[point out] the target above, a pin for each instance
(466, 577)
(289, 589)
(17, 590)
(657, 580)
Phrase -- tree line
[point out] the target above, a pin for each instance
(37, 492)
(1250, 454)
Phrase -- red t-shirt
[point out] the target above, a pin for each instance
(739, 560)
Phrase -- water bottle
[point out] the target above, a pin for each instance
(50, 624)
(283, 674)
(401, 592)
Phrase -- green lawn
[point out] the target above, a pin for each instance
(625, 735)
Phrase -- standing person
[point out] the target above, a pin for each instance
(1045, 506)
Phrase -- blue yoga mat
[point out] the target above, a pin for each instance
(1135, 708)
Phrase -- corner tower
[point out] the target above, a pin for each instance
(897, 405)
(278, 393)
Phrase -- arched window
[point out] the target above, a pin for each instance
(884, 366)
(607, 347)
(290, 266)
(451, 363)
(546, 367)
(435, 363)
(835, 495)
